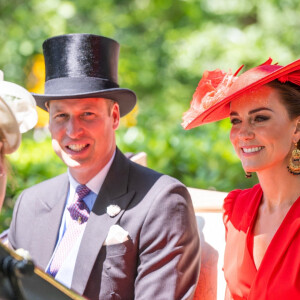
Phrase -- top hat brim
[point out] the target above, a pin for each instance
(124, 97)
(249, 80)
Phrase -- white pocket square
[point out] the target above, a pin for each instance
(116, 235)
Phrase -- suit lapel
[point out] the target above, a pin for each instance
(48, 221)
(113, 191)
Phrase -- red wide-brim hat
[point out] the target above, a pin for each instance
(216, 89)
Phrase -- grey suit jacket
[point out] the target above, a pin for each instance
(161, 260)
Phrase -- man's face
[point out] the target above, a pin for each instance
(83, 134)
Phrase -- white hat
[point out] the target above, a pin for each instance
(17, 114)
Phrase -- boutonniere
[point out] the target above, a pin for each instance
(113, 210)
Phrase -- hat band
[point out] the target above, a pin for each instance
(72, 85)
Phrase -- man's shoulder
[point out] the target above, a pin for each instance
(140, 174)
(150, 185)
(49, 184)
(145, 174)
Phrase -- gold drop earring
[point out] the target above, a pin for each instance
(294, 163)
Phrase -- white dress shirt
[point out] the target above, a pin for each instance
(65, 273)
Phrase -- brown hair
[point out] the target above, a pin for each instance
(290, 98)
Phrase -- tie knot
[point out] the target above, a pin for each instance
(81, 191)
(79, 210)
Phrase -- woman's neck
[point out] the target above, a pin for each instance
(280, 188)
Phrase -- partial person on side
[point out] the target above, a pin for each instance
(17, 115)
(108, 228)
(262, 223)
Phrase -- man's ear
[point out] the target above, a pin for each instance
(116, 115)
(47, 104)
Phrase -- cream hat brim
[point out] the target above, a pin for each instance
(17, 114)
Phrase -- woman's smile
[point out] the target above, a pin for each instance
(251, 149)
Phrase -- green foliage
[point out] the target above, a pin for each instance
(165, 47)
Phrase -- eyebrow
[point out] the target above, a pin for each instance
(252, 111)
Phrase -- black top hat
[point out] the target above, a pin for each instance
(83, 66)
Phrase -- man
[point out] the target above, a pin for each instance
(136, 235)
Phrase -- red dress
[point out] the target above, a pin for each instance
(278, 276)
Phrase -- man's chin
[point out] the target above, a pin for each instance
(71, 163)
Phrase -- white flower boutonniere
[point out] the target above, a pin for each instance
(113, 210)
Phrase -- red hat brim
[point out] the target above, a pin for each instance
(248, 81)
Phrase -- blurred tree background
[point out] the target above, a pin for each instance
(165, 47)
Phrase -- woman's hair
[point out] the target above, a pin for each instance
(290, 97)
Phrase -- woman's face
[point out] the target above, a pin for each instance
(262, 133)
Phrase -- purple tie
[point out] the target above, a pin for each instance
(79, 213)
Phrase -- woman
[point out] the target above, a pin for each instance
(17, 115)
(262, 224)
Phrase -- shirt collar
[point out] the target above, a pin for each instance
(96, 182)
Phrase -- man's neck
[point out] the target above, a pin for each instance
(83, 176)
